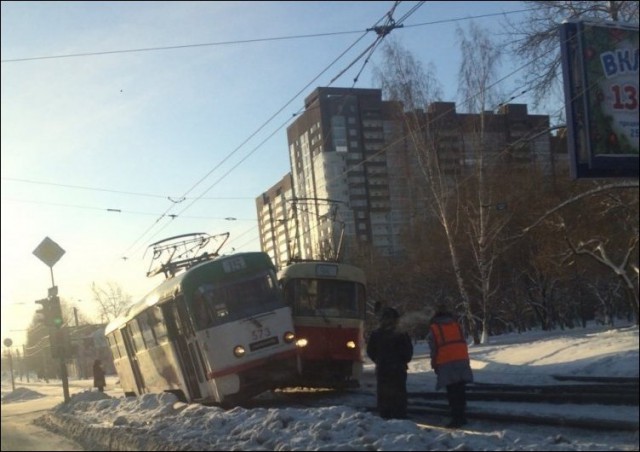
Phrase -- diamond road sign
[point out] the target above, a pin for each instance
(48, 252)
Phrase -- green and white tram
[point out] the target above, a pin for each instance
(219, 332)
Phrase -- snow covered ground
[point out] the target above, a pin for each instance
(159, 422)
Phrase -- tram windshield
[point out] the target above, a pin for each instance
(215, 304)
(325, 298)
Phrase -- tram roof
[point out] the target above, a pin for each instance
(173, 285)
(323, 270)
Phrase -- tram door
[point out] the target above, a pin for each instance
(133, 359)
(180, 330)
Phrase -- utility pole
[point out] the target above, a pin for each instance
(8, 343)
(24, 360)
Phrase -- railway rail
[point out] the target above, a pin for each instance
(425, 407)
(545, 394)
(595, 390)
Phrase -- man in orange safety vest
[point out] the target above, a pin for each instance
(450, 362)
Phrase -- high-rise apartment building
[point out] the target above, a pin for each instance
(356, 177)
(276, 220)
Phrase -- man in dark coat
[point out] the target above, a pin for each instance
(98, 376)
(450, 362)
(391, 351)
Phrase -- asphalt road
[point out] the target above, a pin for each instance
(19, 433)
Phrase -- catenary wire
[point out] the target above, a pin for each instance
(252, 135)
(246, 41)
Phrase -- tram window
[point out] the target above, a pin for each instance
(202, 299)
(159, 328)
(113, 345)
(117, 336)
(361, 294)
(136, 335)
(147, 332)
(216, 304)
(183, 321)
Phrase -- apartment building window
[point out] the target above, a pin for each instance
(339, 132)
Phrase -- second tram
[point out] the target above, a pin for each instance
(218, 332)
(328, 300)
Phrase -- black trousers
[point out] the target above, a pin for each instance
(392, 395)
(456, 394)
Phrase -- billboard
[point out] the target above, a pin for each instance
(600, 72)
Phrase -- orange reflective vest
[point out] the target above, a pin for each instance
(450, 343)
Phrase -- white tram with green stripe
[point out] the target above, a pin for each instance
(219, 332)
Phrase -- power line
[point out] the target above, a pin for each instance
(389, 146)
(390, 25)
(107, 190)
(238, 42)
(185, 46)
(246, 140)
(247, 41)
(115, 210)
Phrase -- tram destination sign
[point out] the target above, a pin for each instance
(600, 72)
(49, 252)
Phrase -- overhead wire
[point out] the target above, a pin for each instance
(107, 190)
(382, 31)
(253, 134)
(185, 46)
(244, 41)
(123, 211)
(406, 15)
(535, 132)
(370, 48)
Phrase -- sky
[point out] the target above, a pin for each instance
(343, 423)
(124, 123)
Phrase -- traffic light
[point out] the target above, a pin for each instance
(59, 343)
(55, 312)
(51, 313)
(43, 315)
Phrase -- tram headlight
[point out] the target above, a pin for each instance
(351, 344)
(239, 351)
(288, 337)
(302, 342)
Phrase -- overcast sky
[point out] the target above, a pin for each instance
(106, 138)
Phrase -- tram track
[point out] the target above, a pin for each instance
(555, 396)
(418, 411)
(424, 407)
(621, 392)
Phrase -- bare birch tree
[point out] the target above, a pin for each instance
(536, 40)
(616, 249)
(403, 79)
(111, 300)
(484, 223)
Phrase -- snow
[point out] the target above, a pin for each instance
(160, 422)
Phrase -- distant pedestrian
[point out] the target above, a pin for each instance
(391, 351)
(98, 375)
(450, 362)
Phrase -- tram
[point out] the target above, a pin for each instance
(328, 300)
(217, 331)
